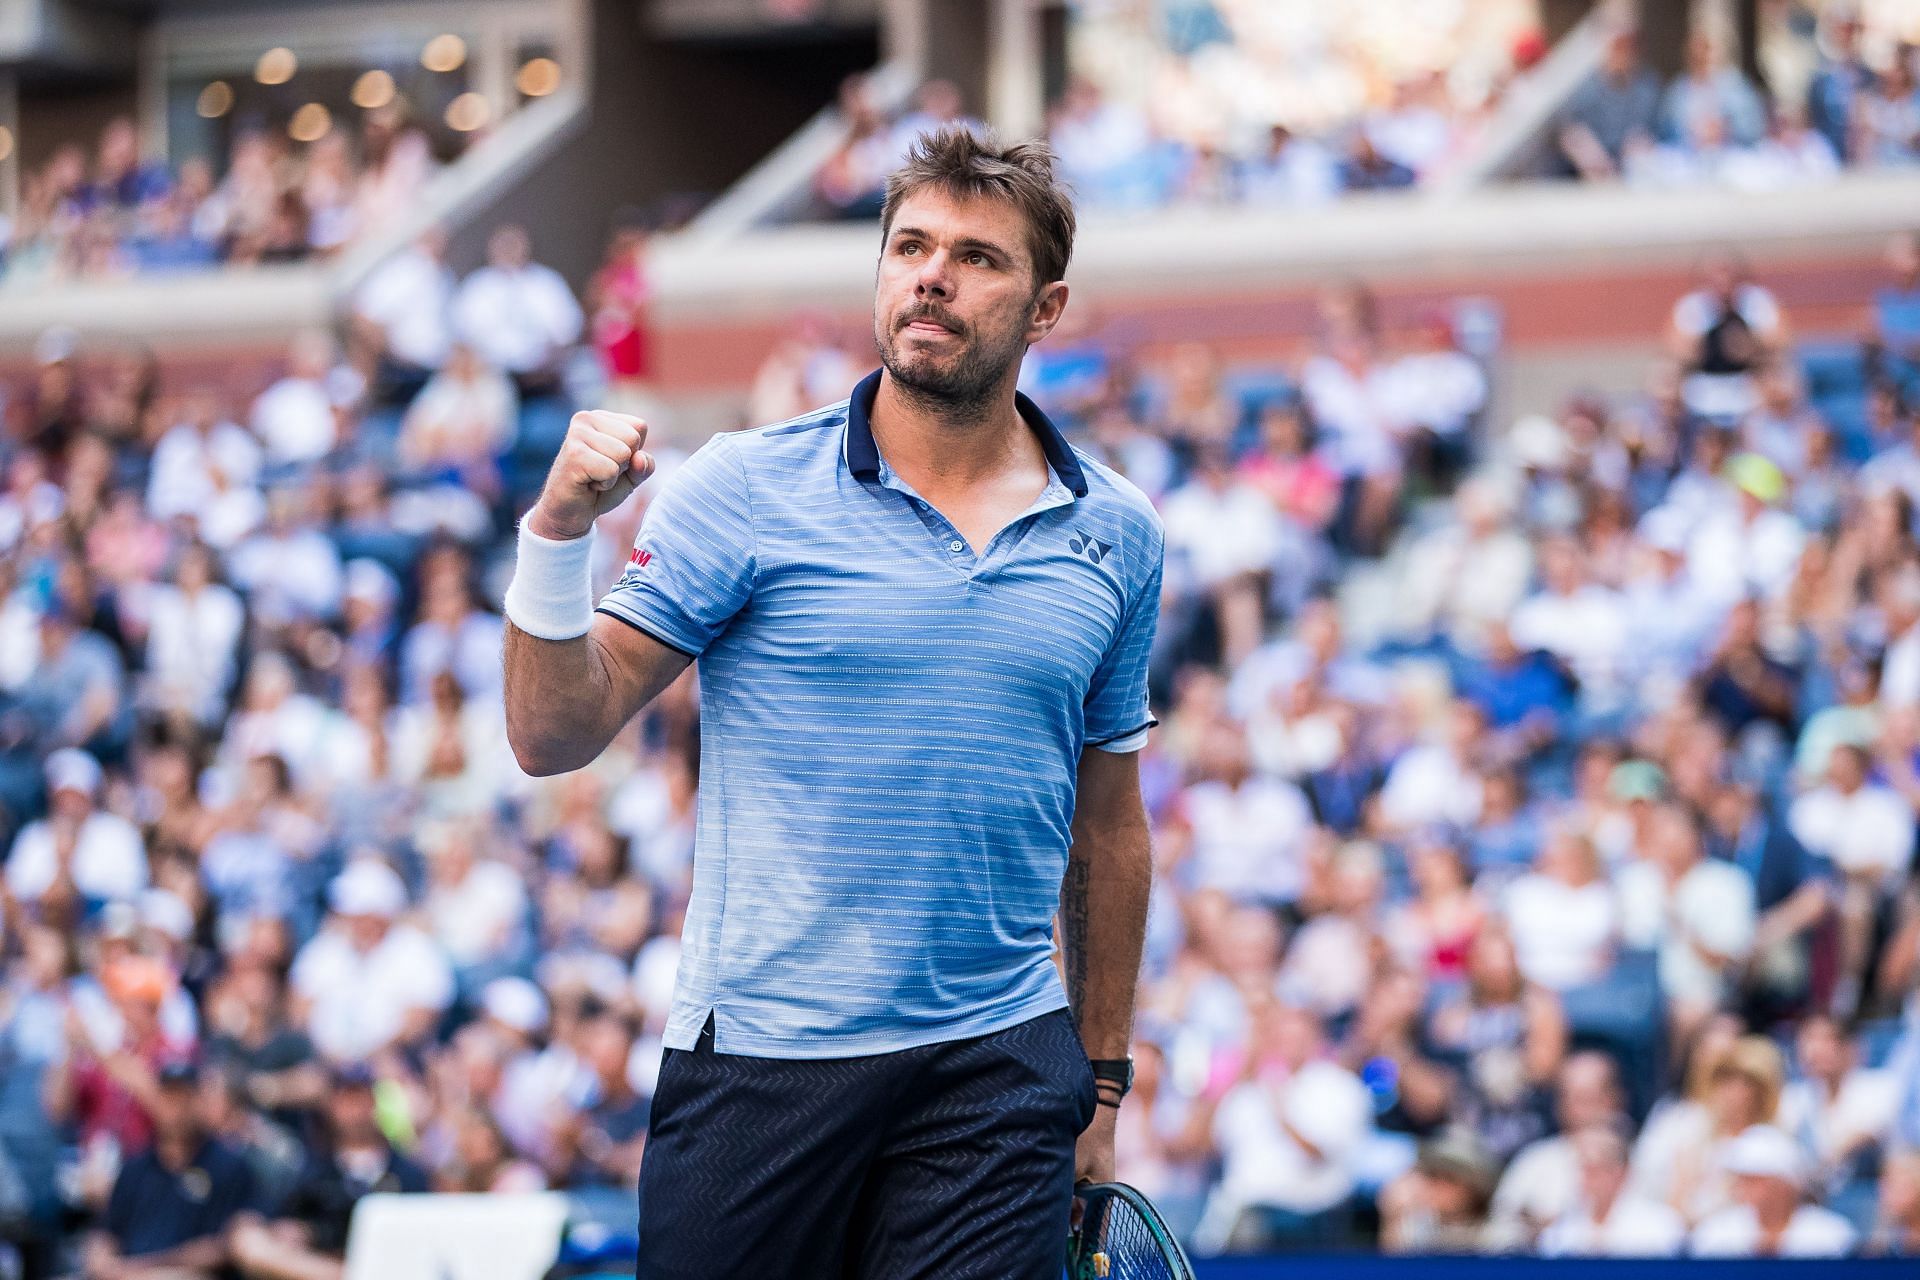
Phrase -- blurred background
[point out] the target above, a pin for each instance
(1529, 388)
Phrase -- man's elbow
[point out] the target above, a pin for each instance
(538, 758)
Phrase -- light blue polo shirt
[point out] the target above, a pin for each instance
(891, 723)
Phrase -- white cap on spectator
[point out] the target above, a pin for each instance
(71, 769)
(163, 910)
(368, 888)
(517, 1003)
(1763, 1151)
(371, 581)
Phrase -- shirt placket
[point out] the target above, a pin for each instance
(969, 565)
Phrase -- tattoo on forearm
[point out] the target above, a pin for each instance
(1073, 917)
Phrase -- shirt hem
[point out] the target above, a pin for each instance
(682, 1036)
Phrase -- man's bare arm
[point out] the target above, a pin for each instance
(566, 699)
(1103, 900)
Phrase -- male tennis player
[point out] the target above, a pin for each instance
(922, 622)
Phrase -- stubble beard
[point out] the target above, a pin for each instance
(960, 388)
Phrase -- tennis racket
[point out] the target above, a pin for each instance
(1121, 1237)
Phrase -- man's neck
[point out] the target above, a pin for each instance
(940, 449)
(176, 1152)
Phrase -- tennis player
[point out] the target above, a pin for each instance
(922, 621)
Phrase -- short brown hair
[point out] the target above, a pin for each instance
(972, 164)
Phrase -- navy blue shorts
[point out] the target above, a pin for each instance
(952, 1160)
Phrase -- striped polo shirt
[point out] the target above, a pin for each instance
(891, 722)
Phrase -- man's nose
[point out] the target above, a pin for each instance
(935, 279)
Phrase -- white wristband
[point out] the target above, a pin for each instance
(551, 595)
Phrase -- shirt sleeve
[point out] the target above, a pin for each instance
(1116, 712)
(693, 561)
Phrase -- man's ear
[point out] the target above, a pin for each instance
(1048, 306)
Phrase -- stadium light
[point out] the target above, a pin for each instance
(444, 53)
(215, 100)
(468, 112)
(373, 90)
(276, 66)
(310, 123)
(538, 77)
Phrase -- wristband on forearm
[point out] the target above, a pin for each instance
(551, 595)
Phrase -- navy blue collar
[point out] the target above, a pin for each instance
(863, 456)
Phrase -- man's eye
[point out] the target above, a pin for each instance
(977, 259)
(909, 248)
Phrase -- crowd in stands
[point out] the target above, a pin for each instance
(1293, 104)
(1713, 123)
(1534, 808)
(118, 213)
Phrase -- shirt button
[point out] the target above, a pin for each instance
(956, 546)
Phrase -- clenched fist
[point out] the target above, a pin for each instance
(601, 461)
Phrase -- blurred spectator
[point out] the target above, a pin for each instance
(1769, 1217)
(172, 1205)
(1287, 1130)
(78, 855)
(1896, 1231)
(462, 420)
(367, 984)
(1840, 82)
(1441, 1207)
(298, 417)
(1555, 1176)
(1711, 88)
(1733, 1083)
(403, 312)
(305, 1238)
(1617, 110)
(1608, 1220)
(518, 315)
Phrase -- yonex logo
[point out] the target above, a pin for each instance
(1092, 548)
(640, 559)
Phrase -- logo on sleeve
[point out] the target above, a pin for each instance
(1092, 548)
(640, 559)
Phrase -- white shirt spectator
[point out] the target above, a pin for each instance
(361, 999)
(1357, 411)
(192, 644)
(1634, 1228)
(295, 419)
(1562, 936)
(289, 574)
(1586, 629)
(1265, 1165)
(1729, 557)
(1812, 1232)
(1438, 390)
(1221, 535)
(1541, 1185)
(1867, 833)
(475, 918)
(109, 859)
(1712, 905)
(409, 297)
(455, 418)
(1864, 1107)
(1247, 839)
(518, 319)
(1304, 172)
(194, 472)
(1430, 785)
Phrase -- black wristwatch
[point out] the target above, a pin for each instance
(1117, 1072)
